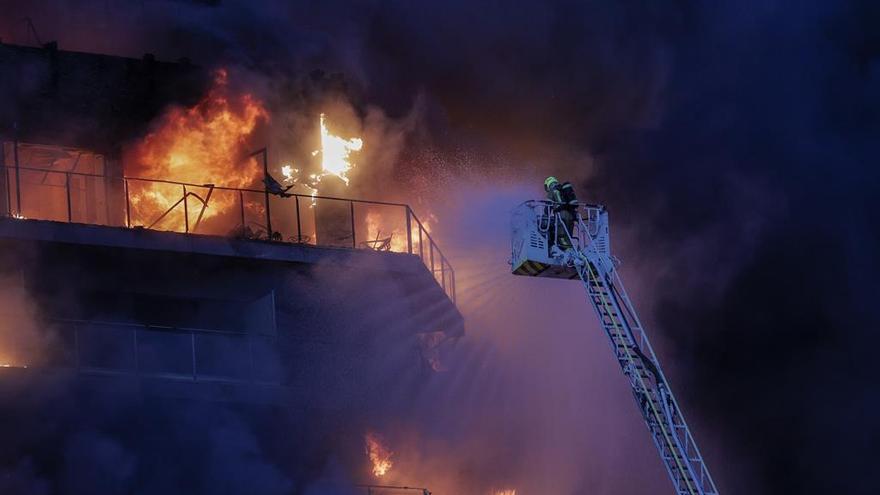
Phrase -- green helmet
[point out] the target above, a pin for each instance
(549, 182)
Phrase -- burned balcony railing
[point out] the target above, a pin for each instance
(156, 204)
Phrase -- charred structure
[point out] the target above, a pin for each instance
(167, 333)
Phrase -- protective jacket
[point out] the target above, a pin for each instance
(563, 195)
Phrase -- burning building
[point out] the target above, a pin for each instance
(192, 290)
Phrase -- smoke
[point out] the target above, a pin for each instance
(131, 443)
(22, 479)
(22, 338)
(90, 456)
(732, 143)
(533, 398)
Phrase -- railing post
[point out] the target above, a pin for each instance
(17, 171)
(127, 203)
(299, 233)
(431, 248)
(421, 243)
(408, 230)
(241, 206)
(67, 188)
(443, 272)
(6, 184)
(452, 279)
(353, 237)
(269, 231)
(185, 212)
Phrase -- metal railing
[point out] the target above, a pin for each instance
(188, 354)
(158, 204)
(179, 353)
(383, 489)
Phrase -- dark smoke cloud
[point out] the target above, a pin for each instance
(734, 143)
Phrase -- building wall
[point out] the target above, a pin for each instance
(144, 310)
(85, 100)
(169, 371)
(135, 361)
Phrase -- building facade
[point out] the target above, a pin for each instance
(188, 358)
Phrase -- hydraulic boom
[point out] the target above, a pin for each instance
(545, 245)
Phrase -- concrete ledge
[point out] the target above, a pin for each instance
(154, 240)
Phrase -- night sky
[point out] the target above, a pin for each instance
(735, 144)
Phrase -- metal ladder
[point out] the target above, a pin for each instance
(636, 357)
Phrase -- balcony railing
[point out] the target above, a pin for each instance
(156, 204)
(155, 351)
(389, 490)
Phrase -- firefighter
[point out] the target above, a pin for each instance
(564, 203)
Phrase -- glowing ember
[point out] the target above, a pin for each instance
(379, 454)
(287, 171)
(293, 176)
(199, 145)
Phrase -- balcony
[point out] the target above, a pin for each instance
(36, 191)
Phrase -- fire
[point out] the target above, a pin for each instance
(293, 176)
(386, 231)
(199, 145)
(381, 237)
(335, 152)
(505, 492)
(379, 454)
(287, 171)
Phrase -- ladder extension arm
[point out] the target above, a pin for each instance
(618, 318)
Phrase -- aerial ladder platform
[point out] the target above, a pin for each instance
(550, 242)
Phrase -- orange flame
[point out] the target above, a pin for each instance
(379, 454)
(382, 235)
(335, 154)
(199, 145)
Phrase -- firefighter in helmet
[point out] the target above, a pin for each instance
(564, 203)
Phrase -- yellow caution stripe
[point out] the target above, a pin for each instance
(530, 268)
